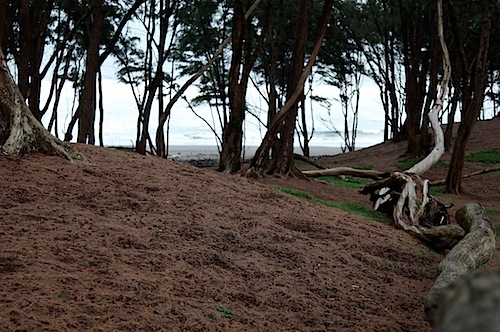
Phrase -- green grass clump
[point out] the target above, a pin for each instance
(348, 207)
(363, 167)
(492, 212)
(405, 164)
(440, 164)
(345, 181)
(225, 312)
(487, 157)
(436, 190)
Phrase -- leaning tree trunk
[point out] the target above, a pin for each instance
(20, 132)
(260, 163)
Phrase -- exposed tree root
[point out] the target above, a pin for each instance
(19, 128)
(405, 197)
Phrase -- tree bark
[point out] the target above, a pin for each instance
(168, 109)
(242, 62)
(445, 298)
(281, 120)
(20, 131)
(472, 100)
(87, 104)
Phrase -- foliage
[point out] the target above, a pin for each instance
(487, 157)
(360, 210)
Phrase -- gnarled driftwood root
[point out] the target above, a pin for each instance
(471, 303)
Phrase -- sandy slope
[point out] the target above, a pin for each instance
(129, 243)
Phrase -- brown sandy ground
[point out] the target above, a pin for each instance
(133, 243)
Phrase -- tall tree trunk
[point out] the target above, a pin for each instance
(417, 28)
(87, 104)
(473, 95)
(232, 135)
(33, 22)
(283, 164)
(242, 62)
(166, 114)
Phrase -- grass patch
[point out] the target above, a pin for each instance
(436, 190)
(492, 212)
(487, 157)
(345, 181)
(497, 231)
(440, 164)
(363, 167)
(405, 164)
(360, 210)
(225, 312)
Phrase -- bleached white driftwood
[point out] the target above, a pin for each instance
(473, 250)
(371, 174)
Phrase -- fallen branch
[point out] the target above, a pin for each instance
(444, 303)
(297, 156)
(371, 174)
(484, 171)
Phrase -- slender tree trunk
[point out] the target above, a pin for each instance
(232, 136)
(87, 104)
(166, 114)
(472, 103)
(242, 62)
(305, 133)
(284, 163)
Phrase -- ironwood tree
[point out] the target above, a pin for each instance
(472, 85)
(20, 131)
(280, 133)
(96, 25)
(245, 49)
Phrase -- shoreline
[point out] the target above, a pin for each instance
(208, 155)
